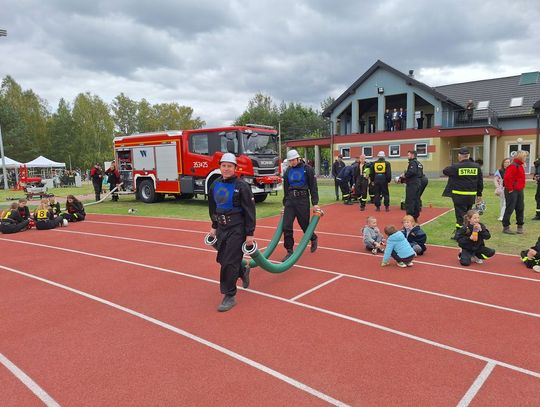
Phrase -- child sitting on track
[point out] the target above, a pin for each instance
(44, 217)
(398, 248)
(471, 238)
(414, 234)
(75, 210)
(531, 257)
(12, 221)
(55, 206)
(373, 238)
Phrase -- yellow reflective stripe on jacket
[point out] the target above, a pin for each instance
(463, 192)
(6, 215)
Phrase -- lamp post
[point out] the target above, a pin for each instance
(3, 33)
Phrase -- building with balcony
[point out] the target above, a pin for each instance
(493, 117)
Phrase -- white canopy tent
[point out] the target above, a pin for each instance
(10, 164)
(43, 162)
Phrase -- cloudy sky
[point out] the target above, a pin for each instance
(215, 55)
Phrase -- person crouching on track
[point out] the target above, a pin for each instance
(531, 257)
(471, 237)
(414, 234)
(45, 219)
(299, 183)
(398, 248)
(12, 221)
(75, 210)
(232, 210)
(373, 238)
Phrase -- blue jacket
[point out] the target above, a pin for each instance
(397, 242)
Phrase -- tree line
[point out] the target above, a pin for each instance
(81, 133)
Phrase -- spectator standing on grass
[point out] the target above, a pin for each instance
(514, 184)
(471, 237)
(498, 180)
(337, 166)
(537, 195)
(231, 207)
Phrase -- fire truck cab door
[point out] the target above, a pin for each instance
(166, 163)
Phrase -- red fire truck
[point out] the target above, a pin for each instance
(185, 163)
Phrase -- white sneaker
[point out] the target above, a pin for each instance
(477, 260)
(409, 264)
(401, 264)
(536, 269)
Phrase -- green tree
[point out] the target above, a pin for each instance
(94, 128)
(125, 115)
(23, 116)
(145, 117)
(61, 130)
(260, 110)
(172, 116)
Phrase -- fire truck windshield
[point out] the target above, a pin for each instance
(260, 143)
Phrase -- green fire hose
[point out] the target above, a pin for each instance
(209, 241)
(276, 268)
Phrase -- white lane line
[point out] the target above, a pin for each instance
(299, 304)
(317, 287)
(202, 341)
(28, 382)
(475, 387)
(404, 287)
(436, 217)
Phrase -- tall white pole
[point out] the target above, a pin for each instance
(3, 160)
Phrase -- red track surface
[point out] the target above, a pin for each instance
(335, 328)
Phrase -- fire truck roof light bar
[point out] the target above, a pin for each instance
(261, 126)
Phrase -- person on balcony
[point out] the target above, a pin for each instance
(469, 111)
(387, 120)
(396, 120)
(403, 118)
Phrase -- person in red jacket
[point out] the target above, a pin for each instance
(514, 183)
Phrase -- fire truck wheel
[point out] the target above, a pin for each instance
(260, 197)
(147, 192)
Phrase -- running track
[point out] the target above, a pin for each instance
(121, 310)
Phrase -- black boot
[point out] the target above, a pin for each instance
(228, 302)
(244, 276)
(289, 254)
(314, 245)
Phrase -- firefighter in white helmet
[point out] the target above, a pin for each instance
(299, 184)
(232, 211)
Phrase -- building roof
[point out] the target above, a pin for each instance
(381, 65)
(499, 92)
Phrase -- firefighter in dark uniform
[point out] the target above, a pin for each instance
(11, 220)
(345, 178)
(96, 174)
(537, 196)
(299, 183)
(232, 210)
(381, 175)
(413, 179)
(337, 166)
(361, 181)
(465, 185)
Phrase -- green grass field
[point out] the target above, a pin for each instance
(438, 231)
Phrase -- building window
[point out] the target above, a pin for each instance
(346, 152)
(421, 149)
(394, 150)
(516, 102)
(483, 105)
(367, 151)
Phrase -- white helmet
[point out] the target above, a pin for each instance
(228, 158)
(292, 154)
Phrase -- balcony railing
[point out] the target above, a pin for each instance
(463, 118)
